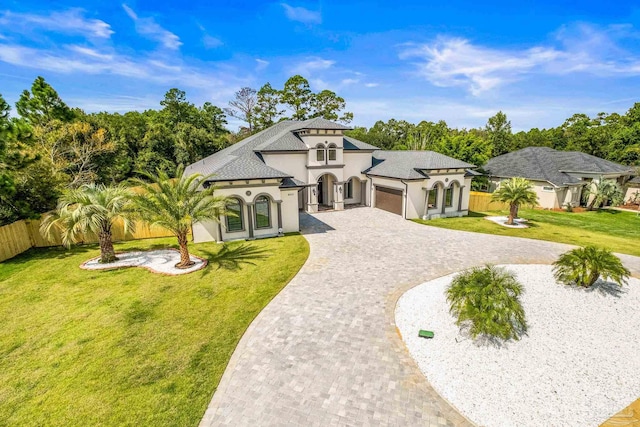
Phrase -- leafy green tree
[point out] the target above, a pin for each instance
(499, 135)
(468, 147)
(176, 108)
(584, 266)
(91, 209)
(43, 104)
(516, 192)
(327, 104)
(298, 97)
(267, 110)
(175, 204)
(603, 191)
(487, 300)
(426, 135)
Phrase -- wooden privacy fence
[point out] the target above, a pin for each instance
(22, 235)
(481, 202)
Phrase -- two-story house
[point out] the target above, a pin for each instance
(312, 166)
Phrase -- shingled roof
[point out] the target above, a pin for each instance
(243, 160)
(547, 164)
(411, 164)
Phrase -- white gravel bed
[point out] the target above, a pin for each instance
(578, 365)
(161, 261)
(502, 220)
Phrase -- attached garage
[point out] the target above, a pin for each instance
(389, 199)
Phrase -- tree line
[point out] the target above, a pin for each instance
(613, 137)
(49, 146)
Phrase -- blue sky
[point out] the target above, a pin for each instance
(460, 61)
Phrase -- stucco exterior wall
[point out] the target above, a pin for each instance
(247, 193)
(293, 164)
(631, 191)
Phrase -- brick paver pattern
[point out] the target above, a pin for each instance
(326, 351)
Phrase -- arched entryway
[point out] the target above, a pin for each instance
(326, 191)
(353, 191)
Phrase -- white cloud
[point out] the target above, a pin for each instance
(310, 65)
(349, 81)
(372, 84)
(449, 61)
(457, 62)
(71, 21)
(211, 42)
(301, 14)
(150, 29)
(262, 64)
(82, 60)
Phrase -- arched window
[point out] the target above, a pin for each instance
(332, 151)
(348, 189)
(448, 197)
(235, 221)
(320, 152)
(263, 212)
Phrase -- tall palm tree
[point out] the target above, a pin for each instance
(603, 191)
(176, 203)
(515, 191)
(90, 209)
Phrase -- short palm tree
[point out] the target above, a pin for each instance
(176, 203)
(90, 209)
(584, 266)
(516, 192)
(603, 191)
(488, 299)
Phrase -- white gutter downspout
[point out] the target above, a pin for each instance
(406, 196)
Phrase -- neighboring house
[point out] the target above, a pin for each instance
(558, 176)
(633, 190)
(311, 165)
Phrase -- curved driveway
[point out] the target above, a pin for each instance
(325, 351)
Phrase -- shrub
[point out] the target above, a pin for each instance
(487, 300)
(583, 267)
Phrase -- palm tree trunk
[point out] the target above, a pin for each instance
(513, 212)
(185, 259)
(107, 253)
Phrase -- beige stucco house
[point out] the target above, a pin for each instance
(312, 166)
(559, 177)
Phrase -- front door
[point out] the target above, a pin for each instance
(320, 190)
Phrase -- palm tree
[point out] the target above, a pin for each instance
(488, 299)
(583, 267)
(603, 191)
(90, 209)
(176, 203)
(515, 191)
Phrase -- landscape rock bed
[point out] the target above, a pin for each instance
(578, 365)
(161, 261)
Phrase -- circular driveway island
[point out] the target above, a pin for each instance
(326, 350)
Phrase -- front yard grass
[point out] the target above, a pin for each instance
(615, 230)
(128, 347)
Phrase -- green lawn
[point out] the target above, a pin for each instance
(128, 347)
(615, 230)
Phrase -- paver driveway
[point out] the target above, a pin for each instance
(325, 351)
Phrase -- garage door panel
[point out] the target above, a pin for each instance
(389, 199)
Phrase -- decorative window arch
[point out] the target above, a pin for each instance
(332, 152)
(262, 209)
(434, 194)
(235, 221)
(320, 153)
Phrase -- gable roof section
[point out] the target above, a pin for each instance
(350, 144)
(320, 123)
(244, 161)
(411, 164)
(547, 164)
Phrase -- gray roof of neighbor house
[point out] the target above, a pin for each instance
(547, 164)
(244, 161)
(411, 164)
(634, 180)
